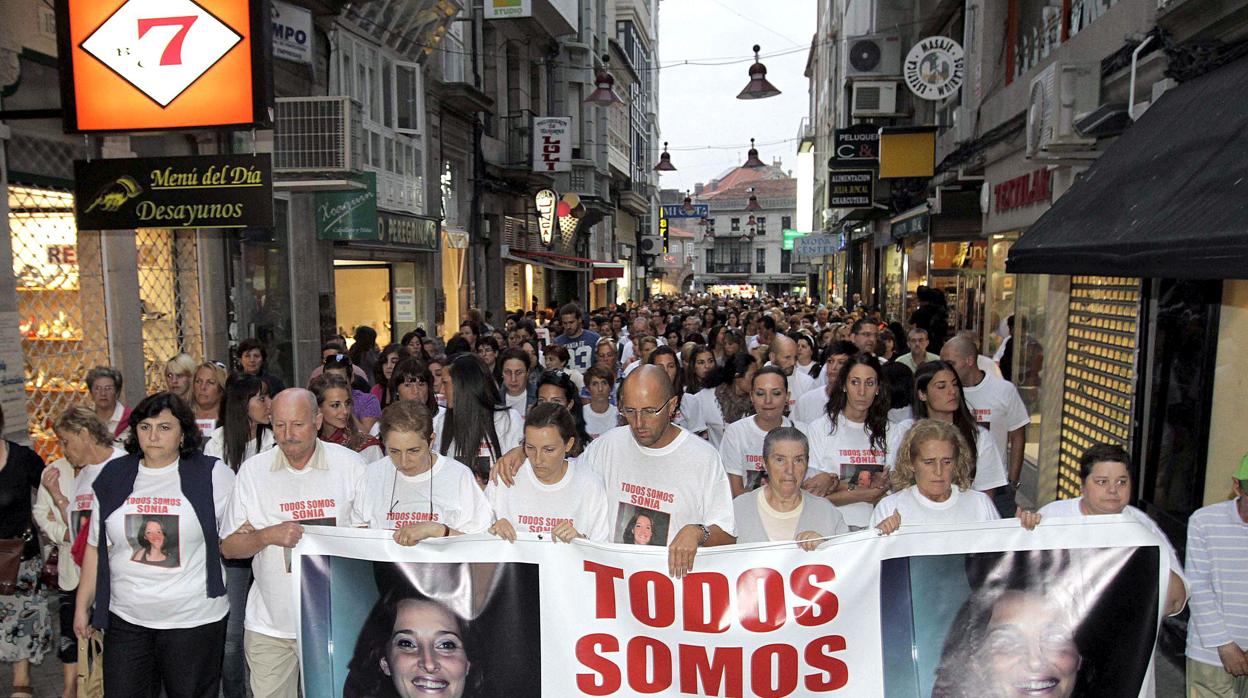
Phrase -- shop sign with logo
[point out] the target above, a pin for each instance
(1024, 190)
(546, 202)
(507, 9)
(678, 211)
(851, 188)
(409, 231)
(161, 64)
(934, 68)
(292, 32)
(552, 149)
(858, 142)
(913, 226)
(197, 191)
(348, 215)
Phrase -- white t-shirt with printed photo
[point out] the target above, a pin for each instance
(742, 450)
(963, 506)
(598, 424)
(447, 493)
(216, 444)
(1069, 509)
(268, 492)
(709, 417)
(680, 484)
(996, 405)
(156, 553)
(799, 383)
(508, 425)
(82, 500)
(848, 451)
(534, 507)
(810, 405)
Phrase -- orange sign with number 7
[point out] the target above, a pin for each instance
(136, 65)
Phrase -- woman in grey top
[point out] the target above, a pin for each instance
(780, 510)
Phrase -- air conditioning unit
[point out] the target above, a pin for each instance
(1058, 95)
(872, 55)
(314, 135)
(651, 244)
(876, 98)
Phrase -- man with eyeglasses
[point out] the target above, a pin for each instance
(659, 471)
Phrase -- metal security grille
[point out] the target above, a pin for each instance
(61, 313)
(168, 266)
(1098, 391)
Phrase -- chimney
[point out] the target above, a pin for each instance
(697, 189)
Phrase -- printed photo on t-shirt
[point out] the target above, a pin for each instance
(863, 475)
(153, 539)
(80, 521)
(754, 479)
(641, 526)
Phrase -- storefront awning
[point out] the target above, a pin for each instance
(608, 270)
(550, 260)
(1166, 200)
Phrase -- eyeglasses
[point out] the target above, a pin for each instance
(630, 413)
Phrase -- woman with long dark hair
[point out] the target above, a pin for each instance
(244, 432)
(412, 381)
(557, 387)
(477, 427)
(857, 443)
(938, 395)
(364, 351)
(727, 400)
(383, 370)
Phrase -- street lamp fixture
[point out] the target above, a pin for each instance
(665, 161)
(751, 160)
(604, 92)
(758, 87)
(687, 207)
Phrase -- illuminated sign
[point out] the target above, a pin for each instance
(131, 65)
(546, 202)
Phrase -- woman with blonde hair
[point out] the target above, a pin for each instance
(179, 373)
(207, 391)
(931, 481)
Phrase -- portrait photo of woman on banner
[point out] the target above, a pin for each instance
(1045, 622)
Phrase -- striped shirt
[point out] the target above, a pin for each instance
(1217, 569)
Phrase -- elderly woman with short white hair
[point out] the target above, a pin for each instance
(781, 510)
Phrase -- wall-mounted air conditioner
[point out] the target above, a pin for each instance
(873, 98)
(1057, 96)
(873, 55)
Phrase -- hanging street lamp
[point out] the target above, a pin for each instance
(665, 161)
(751, 160)
(758, 87)
(604, 92)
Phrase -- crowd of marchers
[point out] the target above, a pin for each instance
(684, 422)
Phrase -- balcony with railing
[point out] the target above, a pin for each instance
(509, 141)
(458, 88)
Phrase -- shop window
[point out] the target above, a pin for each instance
(1178, 379)
(260, 292)
(1030, 339)
(169, 301)
(61, 315)
(1000, 300)
(1098, 389)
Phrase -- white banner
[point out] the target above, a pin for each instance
(1070, 609)
(552, 145)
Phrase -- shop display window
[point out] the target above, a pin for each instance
(1098, 390)
(260, 292)
(169, 302)
(1030, 337)
(61, 315)
(1000, 302)
(892, 282)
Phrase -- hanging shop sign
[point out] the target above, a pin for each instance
(292, 32)
(1024, 190)
(858, 142)
(817, 245)
(162, 64)
(507, 9)
(348, 215)
(790, 235)
(199, 191)
(552, 149)
(916, 225)
(678, 211)
(851, 188)
(935, 68)
(546, 202)
(410, 232)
